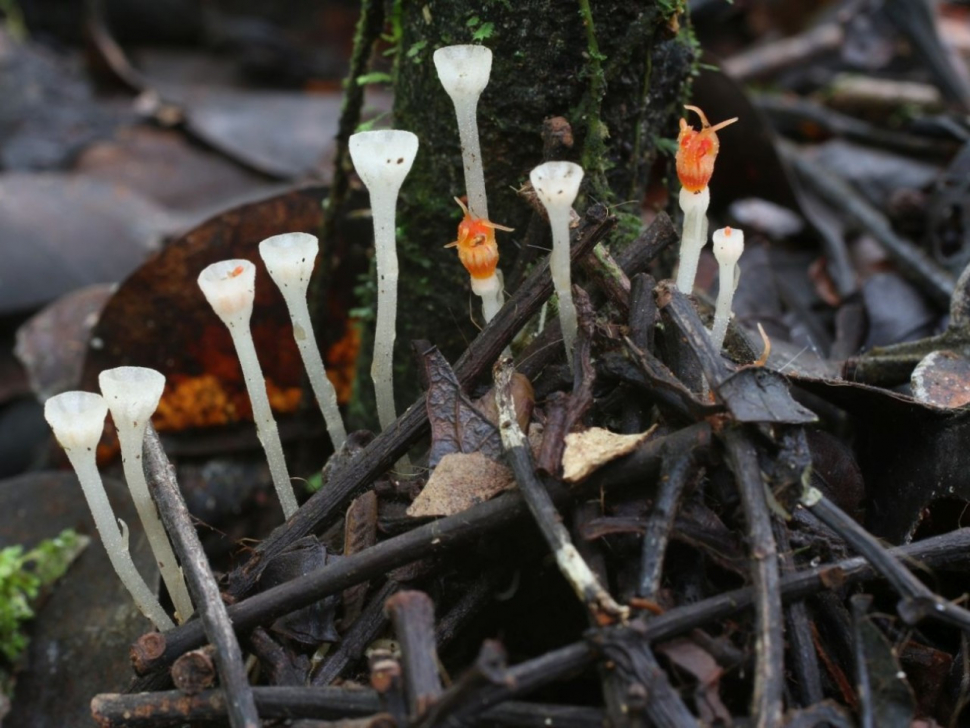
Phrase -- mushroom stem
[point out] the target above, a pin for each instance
(266, 429)
(557, 184)
(230, 288)
(694, 235)
(132, 395)
(289, 259)
(728, 246)
(382, 160)
(464, 71)
(77, 419)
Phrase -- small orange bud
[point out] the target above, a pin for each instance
(697, 150)
(477, 249)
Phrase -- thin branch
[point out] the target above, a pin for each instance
(240, 706)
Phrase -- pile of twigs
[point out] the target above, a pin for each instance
(726, 523)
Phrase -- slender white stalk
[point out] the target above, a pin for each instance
(490, 290)
(728, 246)
(77, 419)
(557, 184)
(693, 237)
(382, 160)
(464, 71)
(289, 259)
(132, 395)
(230, 288)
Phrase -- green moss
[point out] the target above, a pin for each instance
(23, 575)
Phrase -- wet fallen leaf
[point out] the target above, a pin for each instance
(51, 344)
(460, 481)
(588, 450)
(99, 234)
(158, 317)
(689, 656)
(457, 426)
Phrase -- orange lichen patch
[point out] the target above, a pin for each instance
(477, 249)
(697, 150)
(283, 399)
(342, 362)
(194, 402)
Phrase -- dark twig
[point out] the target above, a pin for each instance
(918, 601)
(412, 613)
(936, 282)
(519, 456)
(454, 708)
(471, 602)
(151, 710)
(675, 473)
(860, 605)
(325, 506)
(808, 680)
(769, 681)
(194, 672)
(364, 630)
(241, 708)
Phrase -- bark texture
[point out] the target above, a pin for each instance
(616, 69)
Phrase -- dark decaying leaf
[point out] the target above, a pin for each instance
(892, 702)
(61, 233)
(689, 656)
(313, 624)
(756, 394)
(896, 310)
(910, 454)
(456, 425)
(158, 318)
(51, 344)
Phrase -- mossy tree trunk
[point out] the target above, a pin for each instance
(615, 69)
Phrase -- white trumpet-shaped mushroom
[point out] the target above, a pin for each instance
(728, 246)
(132, 395)
(463, 71)
(382, 160)
(230, 288)
(77, 419)
(557, 184)
(289, 259)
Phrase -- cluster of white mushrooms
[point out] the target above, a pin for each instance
(382, 160)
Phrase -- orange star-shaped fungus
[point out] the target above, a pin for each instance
(477, 249)
(697, 150)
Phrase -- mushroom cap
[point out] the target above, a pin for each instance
(383, 158)
(463, 69)
(289, 258)
(230, 287)
(728, 245)
(132, 394)
(77, 419)
(557, 183)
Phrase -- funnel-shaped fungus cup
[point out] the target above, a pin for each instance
(463, 71)
(696, 153)
(230, 288)
(557, 184)
(289, 259)
(132, 395)
(382, 160)
(728, 246)
(77, 419)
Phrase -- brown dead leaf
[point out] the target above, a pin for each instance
(690, 656)
(457, 426)
(587, 451)
(460, 481)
